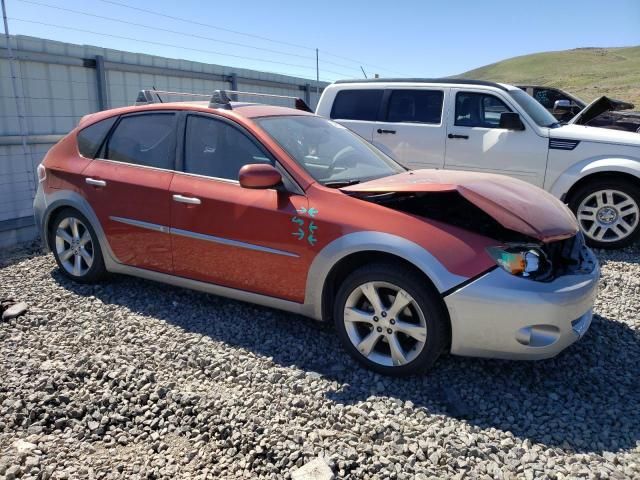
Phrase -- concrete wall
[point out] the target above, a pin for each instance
(59, 82)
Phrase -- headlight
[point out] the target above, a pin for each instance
(523, 261)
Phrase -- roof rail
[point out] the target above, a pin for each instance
(219, 98)
(147, 97)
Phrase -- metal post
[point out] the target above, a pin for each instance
(19, 111)
(307, 94)
(101, 82)
(317, 78)
(233, 79)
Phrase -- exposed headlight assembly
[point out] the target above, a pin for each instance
(521, 260)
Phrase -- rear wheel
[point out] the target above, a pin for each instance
(75, 247)
(608, 212)
(391, 320)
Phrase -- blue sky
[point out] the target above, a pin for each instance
(398, 38)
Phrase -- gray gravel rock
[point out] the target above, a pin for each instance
(133, 379)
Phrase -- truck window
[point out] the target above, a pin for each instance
(415, 106)
(479, 110)
(356, 105)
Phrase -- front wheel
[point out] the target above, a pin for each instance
(608, 212)
(391, 320)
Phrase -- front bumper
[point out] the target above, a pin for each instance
(503, 316)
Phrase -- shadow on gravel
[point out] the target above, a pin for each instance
(587, 399)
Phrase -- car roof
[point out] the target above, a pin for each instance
(450, 81)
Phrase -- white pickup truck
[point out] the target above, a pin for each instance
(498, 128)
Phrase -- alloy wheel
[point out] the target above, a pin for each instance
(74, 246)
(608, 215)
(385, 323)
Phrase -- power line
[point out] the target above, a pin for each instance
(217, 27)
(177, 32)
(173, 46)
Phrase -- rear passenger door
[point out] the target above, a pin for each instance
(128, 187)
(411, 129)
(358, 110)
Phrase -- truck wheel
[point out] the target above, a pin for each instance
(76, 248)
(390, 320)
(608, 212)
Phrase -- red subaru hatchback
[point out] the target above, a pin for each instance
(283, 208)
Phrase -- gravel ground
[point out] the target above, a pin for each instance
(133, 379)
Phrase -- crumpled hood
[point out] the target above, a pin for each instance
(513, 203)
(598, 106)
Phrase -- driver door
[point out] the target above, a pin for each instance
(225, 234)
(476, 142)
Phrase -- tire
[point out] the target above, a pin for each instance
(76, 249)
(608, 211)
(425, 317)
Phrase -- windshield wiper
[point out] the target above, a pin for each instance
(341, 183)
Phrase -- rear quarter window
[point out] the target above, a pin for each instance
(91, 137)
(357, 105)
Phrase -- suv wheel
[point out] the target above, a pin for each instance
(390, 320)
(75, 247)
(608, 212)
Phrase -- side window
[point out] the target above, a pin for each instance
(415, 106)
(216, 149)
(479, 110)
(91, 137)
(547, 97)
(357, 105)
(146, 139)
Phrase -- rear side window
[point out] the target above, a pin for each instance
(90, 138)
(357, 105)
(214, 148)
(415, 106)
(147, 139)
(479, 110)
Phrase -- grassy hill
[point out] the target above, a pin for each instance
(585, 72)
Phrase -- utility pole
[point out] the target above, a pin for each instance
(14, 82)
(317, 77)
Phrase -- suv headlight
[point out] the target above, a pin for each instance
(520, 260)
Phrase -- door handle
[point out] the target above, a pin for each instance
(453, 135)
(189, 200)
(384, 130)
(96, 183)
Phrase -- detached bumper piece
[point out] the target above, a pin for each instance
(503, 316)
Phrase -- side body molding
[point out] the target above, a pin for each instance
(371, 241)
(321, 266)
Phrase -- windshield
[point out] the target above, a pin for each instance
(536, 111)
(332, 154)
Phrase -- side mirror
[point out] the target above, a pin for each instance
(259, 175)
(511, 121)
(562, 106)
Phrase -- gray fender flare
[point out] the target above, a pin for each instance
(572, 175)
(68, 198)
(368, 241)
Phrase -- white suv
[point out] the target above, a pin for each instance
(498, 128)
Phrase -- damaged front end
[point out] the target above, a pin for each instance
(537, 237)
